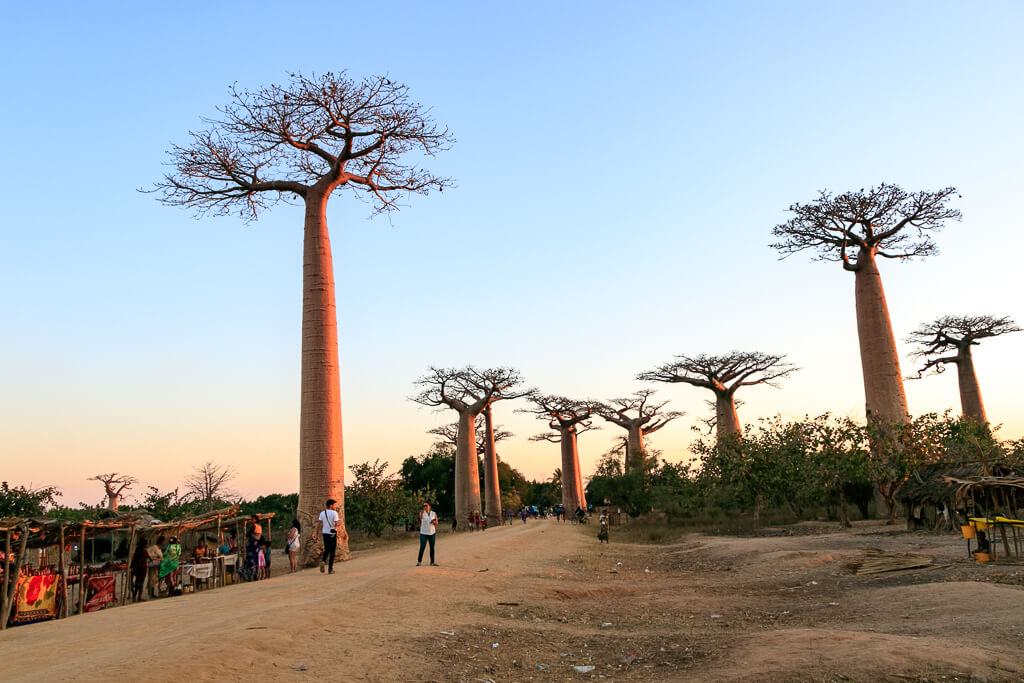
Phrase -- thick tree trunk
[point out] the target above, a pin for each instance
(970, 392)
(885, 399)
(727, 421)
(321, 459)
(492, 491)
(572, 482)
(467, 471)
(634, 448)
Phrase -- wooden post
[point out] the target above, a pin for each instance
(81, 571)
(63, 566)
(11, 591)
(3, 587)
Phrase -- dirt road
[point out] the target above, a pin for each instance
(531, 602)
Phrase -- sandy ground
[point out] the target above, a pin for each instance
(531, 602)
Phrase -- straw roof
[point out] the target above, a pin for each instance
(931, 484)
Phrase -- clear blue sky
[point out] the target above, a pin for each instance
(619, 172)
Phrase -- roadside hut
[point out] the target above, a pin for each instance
(930, 499)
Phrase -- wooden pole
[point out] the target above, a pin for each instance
(12, 583)
(129, 576)
(81, 571)
(63, 566)
(3, 588)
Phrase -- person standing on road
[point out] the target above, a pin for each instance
(428, 533)
(329, 528)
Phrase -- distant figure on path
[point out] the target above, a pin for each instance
(329, 528)
(428, 533)
(602, 534)
(522, 513)
(292, 544)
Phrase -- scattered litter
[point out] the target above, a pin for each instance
(618, 564)
(813, 583)
(447, 633)
(543, 666)
(716, 616)
(833, 604)
(300, 667)
(784, 612)
(628, 659)
(647, 570)
(494, 645)
(613, 571)
(254, 628)
(509, 604)
(606, 624)
(483, 570)
(564, 654)
(583, 669)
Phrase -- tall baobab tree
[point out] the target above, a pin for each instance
(854, 229)
(301, 142)
(639, 416)
(949, 340)
(469, 392)
(724, 375)
(568, 418)
(114, 484)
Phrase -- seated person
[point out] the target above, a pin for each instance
(199, 552)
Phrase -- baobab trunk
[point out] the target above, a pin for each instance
(572, 482)
(970, 392)
(467, 472)
(885, 400)
(727, 421)
(886, 403)
(492, 492)
(321, 459)
(634, 449)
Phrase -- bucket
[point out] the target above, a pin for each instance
(968, 531)
(982, 557)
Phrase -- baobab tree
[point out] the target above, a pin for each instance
(639, 416)
(854, 229)
(568, 418)
(469, 392)
(949, 340)
(114, 484)
(724, 375)
(300, 143)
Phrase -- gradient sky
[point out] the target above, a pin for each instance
(619, 172)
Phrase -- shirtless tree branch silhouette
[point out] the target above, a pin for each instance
(949, 340)
(568, 418)
(855, 229)
(114, 484)
(724, 375)
(301, 142)
(639, 416)
(469, 391)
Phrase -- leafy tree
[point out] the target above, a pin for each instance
(375, 501)
(168, 505)
(434, 471)
(19, 501)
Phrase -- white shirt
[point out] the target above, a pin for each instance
(328, 520)
(428, 520)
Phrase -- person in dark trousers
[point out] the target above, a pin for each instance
(428, 533)
(329, 528)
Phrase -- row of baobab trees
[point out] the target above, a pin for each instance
(311, 137)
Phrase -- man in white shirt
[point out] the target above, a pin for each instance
(428, 533)
(329, 527)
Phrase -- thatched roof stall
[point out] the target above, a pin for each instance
(998, 502)
(928, 497)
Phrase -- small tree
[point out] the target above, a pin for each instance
(949, 340)
(208, 484)
(375, 502)
(723, 375)
(841, 456)
(114, 485)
